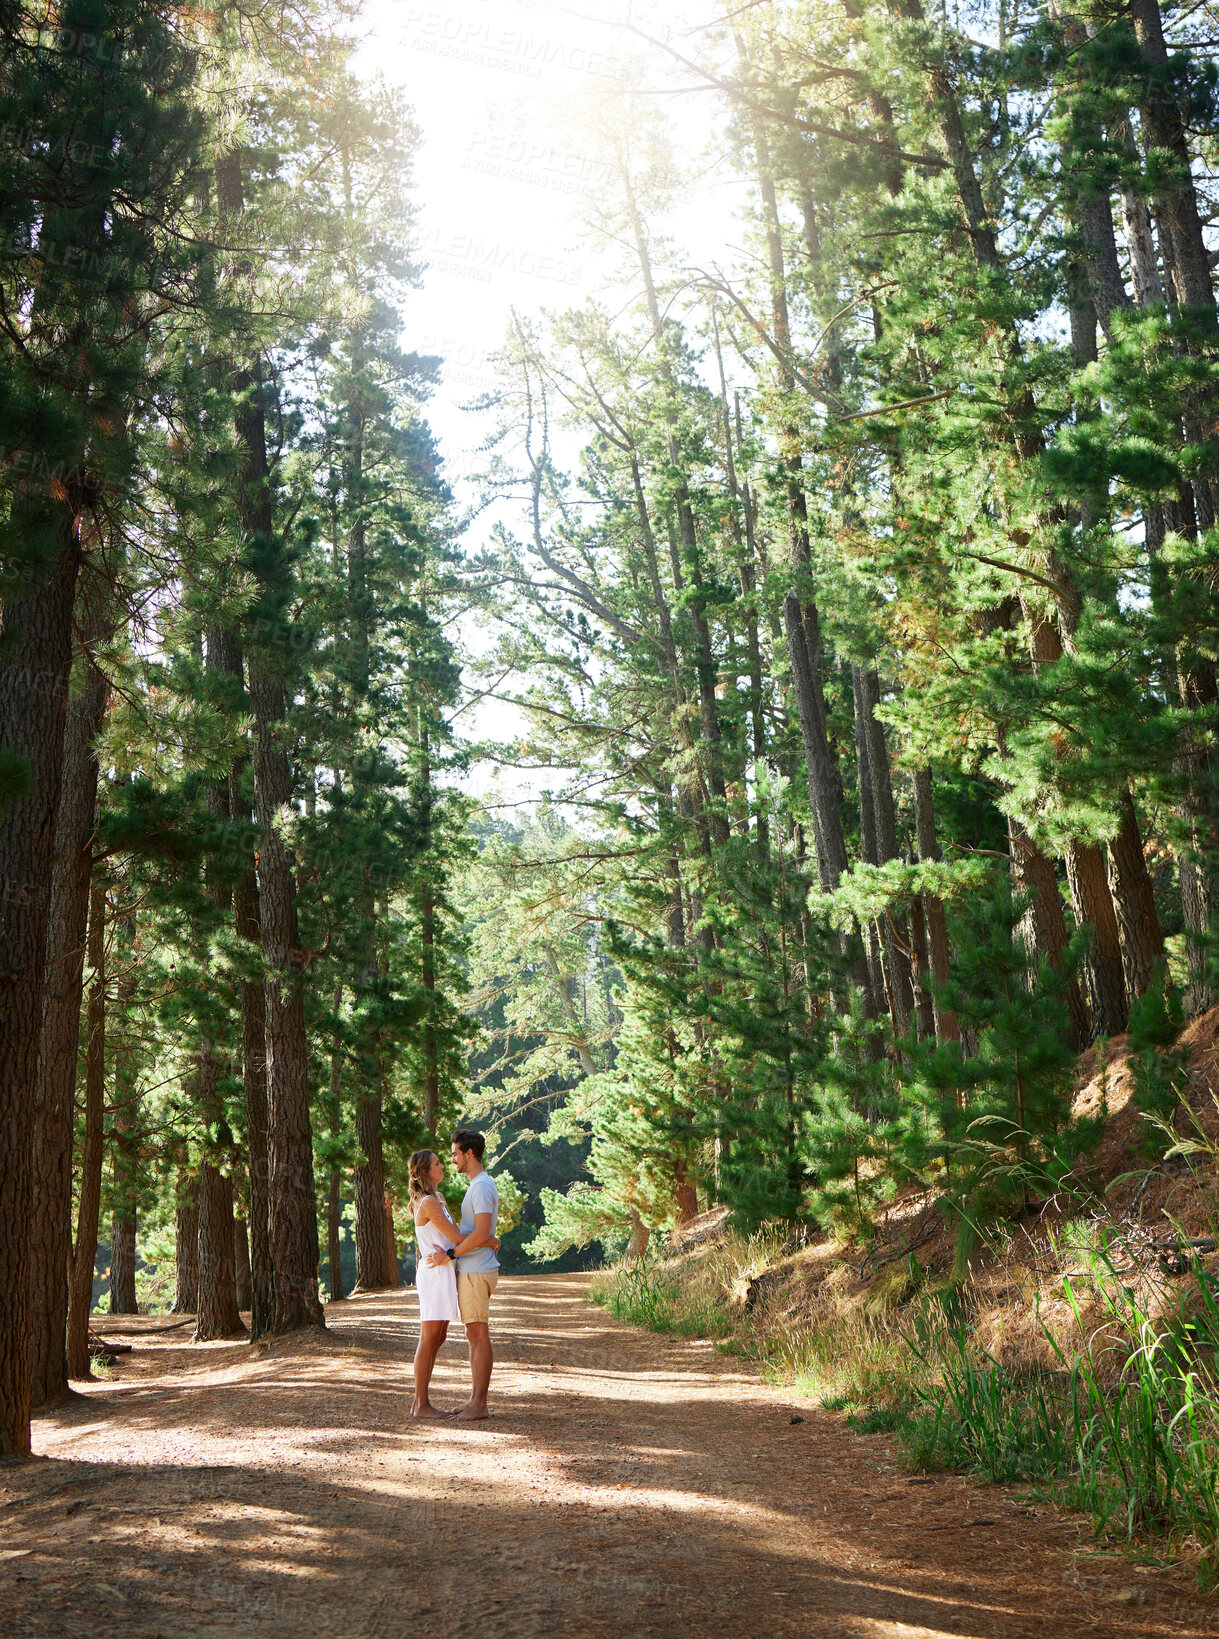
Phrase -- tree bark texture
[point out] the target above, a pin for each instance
(51, 1217)
(217, 1314)
(1047, 925)
(122, 1267)
(375, 1271)
(186, 1243)
(84, 1254)
(334, 1234)
(123, 1146)
(243, 1275)
(37, 629)
(254, 1076)
(1134, 897)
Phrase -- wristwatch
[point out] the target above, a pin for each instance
(452, 1251)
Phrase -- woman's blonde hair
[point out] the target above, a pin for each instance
(419, 1166)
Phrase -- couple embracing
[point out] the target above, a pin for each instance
(456, 1270)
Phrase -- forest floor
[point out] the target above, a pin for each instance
(627, 1484)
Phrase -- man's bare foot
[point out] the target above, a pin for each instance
(427, 1411)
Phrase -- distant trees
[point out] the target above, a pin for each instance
(887, 566)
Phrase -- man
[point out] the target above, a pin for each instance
(477, 1268)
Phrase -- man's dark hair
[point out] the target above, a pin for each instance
(466, 1140)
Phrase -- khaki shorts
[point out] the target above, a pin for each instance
(474, 1296)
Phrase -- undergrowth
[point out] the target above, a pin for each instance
(1123, 1424)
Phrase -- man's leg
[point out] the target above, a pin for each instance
(481, 1361)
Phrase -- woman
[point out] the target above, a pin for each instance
(437, 1288)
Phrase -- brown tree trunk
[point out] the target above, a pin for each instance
(37, 628)
(921, 957)
(640, 1235)
(1093, 904)
(123, 1144)
(243, 1276)
(293, 1210)
(334, 1236)
(254, 1078)
(819, 762)
(1134, 897)
(217, 1314)
(373, 1265)
(186, 1244)
(1047, 925)
(51, 1217)
(867, 833)
(685, 1196)
(894, 932)
(292, 1206)
(84, 1254)
(122, 1267)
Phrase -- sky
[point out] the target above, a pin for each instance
(504, 180)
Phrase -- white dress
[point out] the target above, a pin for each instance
(437, 1288)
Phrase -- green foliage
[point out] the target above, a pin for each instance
(990, 1128)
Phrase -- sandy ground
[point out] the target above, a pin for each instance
(626, 1485)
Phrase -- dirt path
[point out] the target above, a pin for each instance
(627, 1485)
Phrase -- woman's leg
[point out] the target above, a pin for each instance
(432, 1334)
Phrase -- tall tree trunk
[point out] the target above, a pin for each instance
(216, 1311)
(122, 1267)
(1134, 897)
(1047, 925)
(373, 1271)
(124, 1142)
(1093, 904)
(293, 1211)
(292, 1206)
(921, 959)
(37, 630)
(254, 1077)
(218, 1314)
(334, 1234)
(822, 786)
(84, 1254)
(867, 826)
(895, 933)
(186, 1244)
(51, 1216)
(243, 1275)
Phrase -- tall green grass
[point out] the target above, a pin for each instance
(658, 1300)
(1126, 1431)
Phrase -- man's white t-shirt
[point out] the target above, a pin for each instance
(482, 1196)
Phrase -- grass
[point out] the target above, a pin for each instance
(1122, 1426)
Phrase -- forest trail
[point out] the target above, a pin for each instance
(627, 1484)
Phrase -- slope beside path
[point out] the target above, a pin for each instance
(627, 1485)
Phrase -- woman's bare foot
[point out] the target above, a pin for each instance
(469, 1413)
(426, 1410)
